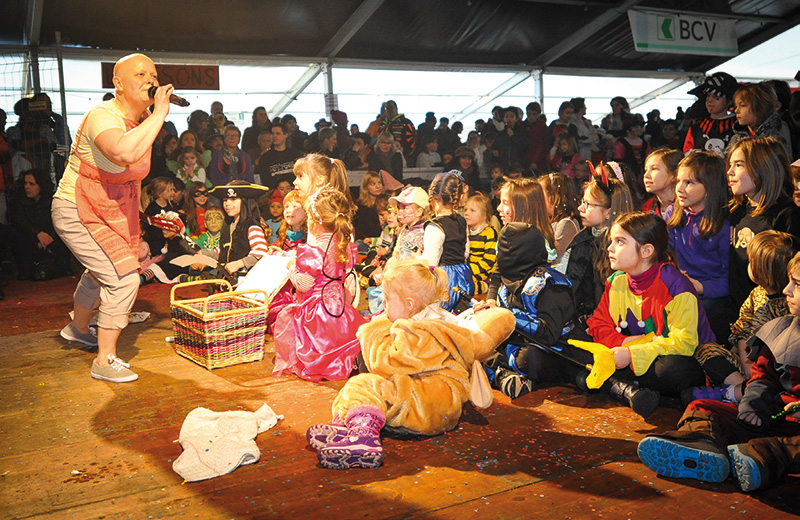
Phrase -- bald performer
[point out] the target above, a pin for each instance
(96, 208)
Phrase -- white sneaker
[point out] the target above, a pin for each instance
(117, 371)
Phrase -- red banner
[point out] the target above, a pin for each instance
(182, 77)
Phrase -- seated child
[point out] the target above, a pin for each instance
(242, 242)
(540, 298)
(164, 245)
(189, 169)
(604, 199)
(700, 234)
(769, 253)
(315, 337)
(412, 214)
(214, 219)
(562, 211)
(382, 246)
(194, 209)
(209, 240)
(292, 231)
(660, 178)
(445, 240)
(753, 440)
(419, 359)
(649, 315)
(482, 241)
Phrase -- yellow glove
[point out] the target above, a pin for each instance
(603, 366)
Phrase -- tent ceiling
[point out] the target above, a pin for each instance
(561, 34)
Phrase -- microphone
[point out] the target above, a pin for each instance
(175, 100)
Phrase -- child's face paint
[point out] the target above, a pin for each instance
(214, 222)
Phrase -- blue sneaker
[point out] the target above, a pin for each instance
(698, 459)
(745, 468)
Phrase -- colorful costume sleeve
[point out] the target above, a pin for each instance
(258, 245)
(601, 326)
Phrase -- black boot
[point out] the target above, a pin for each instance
(643, 401)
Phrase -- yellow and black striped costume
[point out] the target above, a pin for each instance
(482, 257)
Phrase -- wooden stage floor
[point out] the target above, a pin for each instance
(73, 447)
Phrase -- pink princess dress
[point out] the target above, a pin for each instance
(315, 337)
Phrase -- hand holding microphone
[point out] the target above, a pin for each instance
(175, 100)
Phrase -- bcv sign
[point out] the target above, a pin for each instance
(672, 32)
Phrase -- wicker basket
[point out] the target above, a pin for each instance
(220, 330)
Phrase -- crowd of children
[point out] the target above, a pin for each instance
(643, 276)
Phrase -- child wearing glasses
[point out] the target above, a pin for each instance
(604, 200)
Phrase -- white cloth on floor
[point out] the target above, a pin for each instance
(216, 443)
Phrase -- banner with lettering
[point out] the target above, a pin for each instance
(182, 77)
(676, 33)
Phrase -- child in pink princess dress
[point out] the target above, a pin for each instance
(315, 337)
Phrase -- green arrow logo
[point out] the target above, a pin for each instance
(666, 30)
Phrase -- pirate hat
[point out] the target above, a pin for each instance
(238, 190)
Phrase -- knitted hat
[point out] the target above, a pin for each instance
(276, 196)
(720, 84)
(238, 190)
(412, 195)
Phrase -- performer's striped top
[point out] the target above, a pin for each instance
(482, 256)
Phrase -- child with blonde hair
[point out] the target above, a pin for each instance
(314, 171)
(315, 337)
(292, 229)
(419, 359)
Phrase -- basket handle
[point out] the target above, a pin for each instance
(224, 284)
(222, 296)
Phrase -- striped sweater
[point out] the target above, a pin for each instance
(482, 256)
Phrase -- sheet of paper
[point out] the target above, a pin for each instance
(269, 275)
(187, 260)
